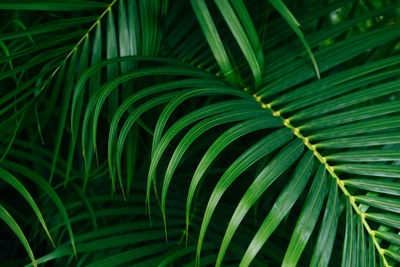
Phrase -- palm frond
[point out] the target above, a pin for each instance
(255, 154)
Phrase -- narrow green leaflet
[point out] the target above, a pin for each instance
(385, 218)
(112, 69)
(130, 255)
(67, 93)
(48, 5)
(383, 170)
(331, 90)
(335, 80)
(136, 97)
(94, 84)
(10, 179)
(327, 232)
(40, 47)
(307, 219)
(207, 25)
(133, 117)
(353, 115)
(281, 207)
(55, 56)
(349, 246)
(366, 155)
(361, 141)
(226, 139)
(284, 160)
(40, 181)
(380, 186)
(97, 101)
(169, 259)
(386, 123)
(170, 108)
(361, 248)
(242, 39)
(88, 205)
(393, 254)
(330, 56)
(9, 220)
(131, 158)
(250, 29)
(384, 203)
(123, 36)
(390, 237)
(46, 28)
(248, 158)
(195, 132)
(150, 13)
(225, 106)
(280, 6)
(107, 238)
(161, 99)
(96, 58)
(348, 100)
(134, 29)
(371, 253)
(94, 70)
(83, 64)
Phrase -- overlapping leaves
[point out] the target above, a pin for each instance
(325, 150)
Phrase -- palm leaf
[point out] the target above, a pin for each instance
(215, 106)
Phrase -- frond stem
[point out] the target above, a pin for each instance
(331, 171)
(75, 48)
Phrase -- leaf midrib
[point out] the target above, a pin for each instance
(331, 171)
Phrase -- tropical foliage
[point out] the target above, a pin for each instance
(174, 133)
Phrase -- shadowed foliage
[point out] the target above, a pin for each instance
(199, 133)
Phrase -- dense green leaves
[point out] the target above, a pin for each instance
(211, 116)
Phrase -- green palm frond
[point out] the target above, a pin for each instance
(167, 133)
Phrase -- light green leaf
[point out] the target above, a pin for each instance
(380, 186)
(242, 39)
(383, 203)
(207, 25)
(307, 219)
(390, 237)
(284, 160)
(247, 159)
(366, 155)
(281, 207)
(327, 232)
(385, 218)
(349, 247)
(370, 169)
